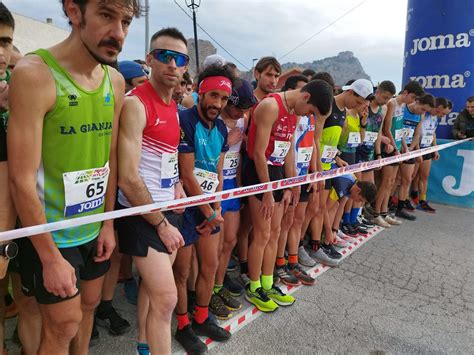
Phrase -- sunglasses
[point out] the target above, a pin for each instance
(166, 55)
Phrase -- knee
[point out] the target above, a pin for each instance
(27, 305)
(274, 233)
(181, 275)
(164, 302)
(229, 244)
(63, 328)
(298, 221)
(90, 303)
(208, 268)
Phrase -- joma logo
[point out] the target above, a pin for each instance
(447, 41)
(443, 81)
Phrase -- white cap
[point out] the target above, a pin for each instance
(213, 59)
(361, 87)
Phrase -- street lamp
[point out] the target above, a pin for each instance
(193, 5)
(144, 11)
(253, 65)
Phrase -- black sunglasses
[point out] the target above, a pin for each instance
(165, 56)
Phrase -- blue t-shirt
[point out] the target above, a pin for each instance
(341, 186)
(410, 121)
(206, 144)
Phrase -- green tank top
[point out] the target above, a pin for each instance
(330, 136)
(77, 135)
(397, 124)
(350, 135)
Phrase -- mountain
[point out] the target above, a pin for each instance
(205, 48)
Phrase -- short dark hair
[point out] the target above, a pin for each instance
(413, 87)
(134, 4)
(321, 95)
(187, 78)
(470, 99)
(172, 32)
(292, 81)
(387, 86)
(368, 190)
(322, 75)
(426, 99)
(441, 101)
(349, 82)
(266, 62)
(216, 70)
(6, 17)
(308, 72)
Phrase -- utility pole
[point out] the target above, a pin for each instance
(146, 12)
(193, 5)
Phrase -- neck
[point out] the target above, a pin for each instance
(259, 93)
(341, 101)
(400, 99)
(374, 105)
(290, 101)
(164, 92)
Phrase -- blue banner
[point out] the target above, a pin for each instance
(439, 52)
(451, 179)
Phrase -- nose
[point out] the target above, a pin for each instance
(118, 32)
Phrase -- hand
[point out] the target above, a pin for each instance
(461, 135)
(341, 162)
(59, 277)
(178, 194)
(170, 236)
(4, 88)
(207, 227)
(320, 186)
(436, 156)
(331, 239)
(105, 243)
(379, 160)
(295, 193)
(234, 136)
(286, 200)
(266, 207)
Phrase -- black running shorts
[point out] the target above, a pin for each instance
(275, 173)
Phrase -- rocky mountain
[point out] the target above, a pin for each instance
(205, 48)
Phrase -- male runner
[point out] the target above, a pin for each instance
(269, 147)
(393, 129)
(148, 173)
(133, 74)
(201, 159)
(65, 103)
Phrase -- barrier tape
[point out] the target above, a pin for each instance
(220, 196)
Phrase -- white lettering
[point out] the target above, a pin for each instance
(447, 41)
(466, 184)
(443, 81)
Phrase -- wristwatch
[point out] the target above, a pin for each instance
(9, 250)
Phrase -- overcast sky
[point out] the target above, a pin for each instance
(374, 30)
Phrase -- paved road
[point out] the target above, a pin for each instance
(410, 289)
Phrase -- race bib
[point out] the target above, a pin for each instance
(169, 169)
(354, 140)
(399, 133)
(207, 180)
(408, 134)
(427, 140)
(328, 154)
(84, 190)
(280, 151)
(370, 138)
(231, 163)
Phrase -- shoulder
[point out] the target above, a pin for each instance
(34, 70)
(117, 80)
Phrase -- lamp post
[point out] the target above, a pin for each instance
(193, 5)
(144, 12)
(253, 65)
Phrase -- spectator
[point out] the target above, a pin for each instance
(464, 125)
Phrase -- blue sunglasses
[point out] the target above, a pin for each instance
(165, 56)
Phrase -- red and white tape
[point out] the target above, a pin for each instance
(220, 196)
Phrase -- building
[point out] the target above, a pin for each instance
(32, 34)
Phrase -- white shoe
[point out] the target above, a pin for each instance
(393, 221)
(341, 243)
(380, 221)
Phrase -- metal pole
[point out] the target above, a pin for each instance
(147, 26)
(195, 38)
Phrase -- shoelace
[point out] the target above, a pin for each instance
(261, 293)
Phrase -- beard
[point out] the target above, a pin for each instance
(205, 111)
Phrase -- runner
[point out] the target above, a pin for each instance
(148, 161)
(428, 139)
(201, 159)
(133, 74)
(76, 108)
(355, 95)
(269, 147)
(225, 288)
(393, 129)
(412, 118)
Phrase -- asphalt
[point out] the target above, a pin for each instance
(407, 290)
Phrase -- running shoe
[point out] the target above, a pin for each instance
(405, 215)
(233, 286)
(218, 308)
(415, 200)
(211, 330)
(392, 221)
(229, 301)
(260, 299)
(244, 279)
(349, 230)
(380, 221)
(112, 321)
(341, 243)
(329, 250)
(366, 222)
(347, 238)
(302, 275)
(424, 206)
(279, 297)
(285, 277)
(190, 341)
(303, 257)
(408, 206)
(361, 230)
(321, 257)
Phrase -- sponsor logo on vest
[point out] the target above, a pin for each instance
(73, 100)
(91, 205)
(443, 81)
(108, 100)
(447, 41)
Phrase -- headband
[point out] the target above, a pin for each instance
(215, 83)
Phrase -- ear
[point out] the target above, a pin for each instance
(256, 74)
(73, 13)
(306, 96)
(148, 59)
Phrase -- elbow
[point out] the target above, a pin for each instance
(127, 183)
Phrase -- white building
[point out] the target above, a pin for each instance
(32, 34)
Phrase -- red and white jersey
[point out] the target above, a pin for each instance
(159, 152)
